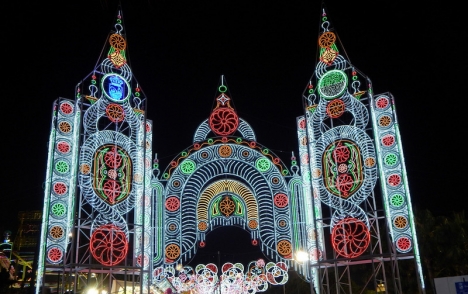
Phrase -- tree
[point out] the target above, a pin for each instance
(443, 243)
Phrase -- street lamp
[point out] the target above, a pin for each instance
(303, 257)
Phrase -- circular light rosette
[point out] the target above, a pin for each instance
(350, 237)
(109, 245)
(404, 243)
(66, 108)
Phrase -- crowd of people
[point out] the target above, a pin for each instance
(9, 279)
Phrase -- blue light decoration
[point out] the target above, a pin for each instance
(115, 87)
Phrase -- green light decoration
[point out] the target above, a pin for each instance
(188, 166)
(397, 200)
(391, 159)
(332, 84)
(62, 166)
(222, 89)
(58, 209)
(263, 164)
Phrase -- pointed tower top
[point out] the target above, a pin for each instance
(334, 78)
(112, 77)
(223, 119)
(331, 51)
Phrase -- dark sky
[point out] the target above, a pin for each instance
(267, 51)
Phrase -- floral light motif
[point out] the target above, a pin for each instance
(109, 245)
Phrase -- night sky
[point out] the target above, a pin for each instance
(267, 51)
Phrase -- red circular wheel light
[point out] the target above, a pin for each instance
(350, 237)
(109, 245)
(224, 121)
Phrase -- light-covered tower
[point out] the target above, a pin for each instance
(97, 206)
(360, 221)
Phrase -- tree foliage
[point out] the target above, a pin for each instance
(443, 243)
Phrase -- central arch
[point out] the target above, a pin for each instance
(221, 182)
(247, 177)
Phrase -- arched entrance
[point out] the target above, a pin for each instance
(223, 182)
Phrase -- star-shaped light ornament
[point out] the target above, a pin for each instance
(223, 99)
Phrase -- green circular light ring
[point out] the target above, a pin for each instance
(58, 209)
(188, 166)
(263, 164)
(265, 151)
(222, 88)
(165, 175)
(397, 200)
(239, 140)
(183, 154)
(293, 162)
(62, 167)
(115, 87)
(391, 159)
(210, 141)
(285, 172)
(332, 84)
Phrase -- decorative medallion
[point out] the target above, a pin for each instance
(350, 237)
(108, 245)
(223, 121)
(112, 174)
(115, 87)
(332, 84)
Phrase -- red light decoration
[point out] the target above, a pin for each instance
(55, 254)
(112, 190)
(113, 159)
(394, 180)
(344, 183)
(388, 140)
(350, 237)
(63, 147)
(403, 244)
(60, 188)
(66, 108)
(382, 102)
(281, 200)
(109, 245)
(172, 203)
(302, 124)
(224, 121)
(341, 153)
